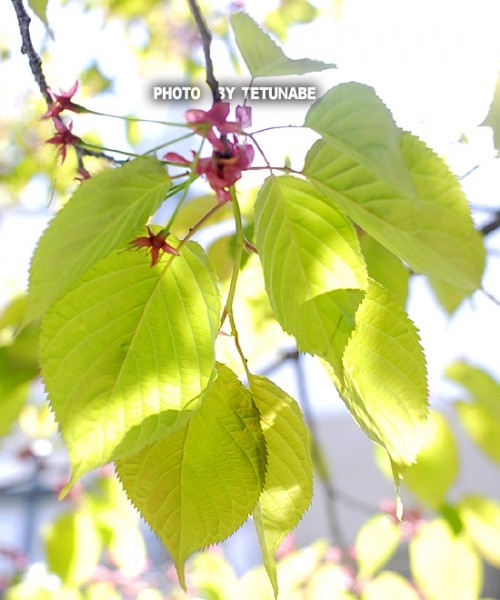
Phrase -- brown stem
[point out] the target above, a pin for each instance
(206, 40)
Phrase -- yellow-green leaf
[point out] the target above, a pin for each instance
(389, 586)
(197, 486)
(444, 565)
(376, 542)
(288, 485)
(104, 213)
(481, 519)
(261, 54)
(128, 352)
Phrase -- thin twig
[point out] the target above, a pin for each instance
(35, 61)
(492, 226)
(206, 40)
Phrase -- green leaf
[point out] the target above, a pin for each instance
(385, 376)
(73, 547)
(493, 117)
(389, 586)
(376, 542)
(288, 14)
(39, 7)
(288, 485)
(385, 268)
(433, 232)
(355, 122)
(483, 427)
(199, 485)
(481, 519)
(313, 268)
(484, 389)
(437, 463)
(103, 214)
(449, 296)
(262, 56)
(128, 351)
(444, 565)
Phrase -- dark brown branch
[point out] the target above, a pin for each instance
(206, 40)
(24, 21)
(492, 226)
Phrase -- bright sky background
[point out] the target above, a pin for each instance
(434, 63)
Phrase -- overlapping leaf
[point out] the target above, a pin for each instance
(287, 490)
(385, 385)
(353, 120)
(104, 213)
(433, 232)
(262, 56)
(313, 269)
(127, 349)
(198, 485)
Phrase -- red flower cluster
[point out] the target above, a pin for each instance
(228, 159)
(62, 101)
(64, 137)
(157, 243)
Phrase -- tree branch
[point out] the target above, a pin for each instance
(492, 226)
(24, 21)
(206, 40)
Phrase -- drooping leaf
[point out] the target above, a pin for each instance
(376, 542)
(385, 268)
(73, 547)
(356, 123)
(39, 7)
(484, 389)
(287, 490)
(385, 385)
(313, 268)
(437, 463)
(433, 232)
(103, 214)
(198, 485)
(493, 117)
(128, 351)
(389, 585)
(483, 427)
(444, 565)
(481, 519)
(261, 54)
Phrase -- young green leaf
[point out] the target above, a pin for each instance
(39, 7)
(197, 486)
(313, 268)
(262, 56)
(389, 585)
(128, 351)
(437, 463)
(352, 118)
(104, 213)
(288, 485)
(443, 564)
(482, 425)
(493, 117)
(484, 389)
(481, 519)
(385, 386)
(433, 232)
(376, 542)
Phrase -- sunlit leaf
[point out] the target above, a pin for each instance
(329, 581)
(127, 349)
(313, 269)
(104, 213)
(493, 117)
(39, 7)
(72, 546)
(198, 485)
(482, 425)
(261, 54)
(433, 232)
(389, 586)
(481, 519)
(354, 121)
(376, 542)
(484, 389)
(385, 376)
(444, 565)
(287, 490)
(437, 463)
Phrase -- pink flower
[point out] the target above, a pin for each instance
(157, 244)
(173, 157)
(62, 101)
(64, 137)
(204, 122)
(223, 170)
